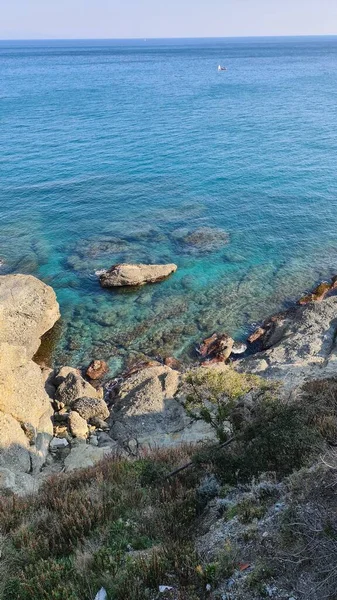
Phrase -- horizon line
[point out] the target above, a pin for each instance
(144, 38)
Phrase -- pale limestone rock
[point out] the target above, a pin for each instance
(57, 443)
(302, 345)
(74, 387)
(62, 373)
(14, 445)
(22, 391)
(86, 455)
(146, 410)
(18, 483)
(77, 425)
(28, 308)
(135, 274)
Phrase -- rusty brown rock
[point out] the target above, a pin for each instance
(97, 369)
(217, 348)
(172, 362)
(256, 335)
(318, 294)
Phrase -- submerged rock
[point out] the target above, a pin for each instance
(203, 239)
(134, 275)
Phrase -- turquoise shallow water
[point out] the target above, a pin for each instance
(115, 151)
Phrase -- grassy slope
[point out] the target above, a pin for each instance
(123, 526)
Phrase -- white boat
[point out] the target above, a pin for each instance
(220, 68)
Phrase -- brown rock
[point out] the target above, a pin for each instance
(217, 348)
(317, 295)
(172, 362)
(256, 335)
(97, 369)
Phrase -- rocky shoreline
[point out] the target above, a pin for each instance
(54, 420)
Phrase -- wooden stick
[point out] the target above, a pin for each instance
(190, 464)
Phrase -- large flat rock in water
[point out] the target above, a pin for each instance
(134, 275)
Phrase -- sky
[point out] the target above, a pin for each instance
(45, 19)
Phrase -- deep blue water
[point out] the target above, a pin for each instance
(118, 150)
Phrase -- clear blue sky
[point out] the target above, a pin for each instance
(24, 19)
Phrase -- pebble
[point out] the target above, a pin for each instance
(56, 443)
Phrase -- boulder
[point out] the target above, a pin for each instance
(216, 348)
(77, 425)
(146, 410)
(86, 455)
(298, 345)
(15, 447)
(74, 387)
(18, 483)
(88, 408)
(28, 309)
(99, 423)
(58, 443)
(22, 389)
(135, 274)
(97, 369)
(63, 372)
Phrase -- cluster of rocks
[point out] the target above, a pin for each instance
(63, 419)
(72, 418)
(218, 348)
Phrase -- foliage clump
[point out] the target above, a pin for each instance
(213, 394)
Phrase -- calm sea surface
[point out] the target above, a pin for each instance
(141, 151)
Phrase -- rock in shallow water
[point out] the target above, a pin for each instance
(97, 369)
(134, 275)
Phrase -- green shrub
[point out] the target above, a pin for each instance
(276, 439)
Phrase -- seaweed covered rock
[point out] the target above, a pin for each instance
(134, 275)
(97, 369)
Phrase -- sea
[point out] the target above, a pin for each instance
(142, 151)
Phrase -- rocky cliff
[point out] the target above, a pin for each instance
(28, 309)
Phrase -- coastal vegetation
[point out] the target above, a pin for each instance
(129, 527)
